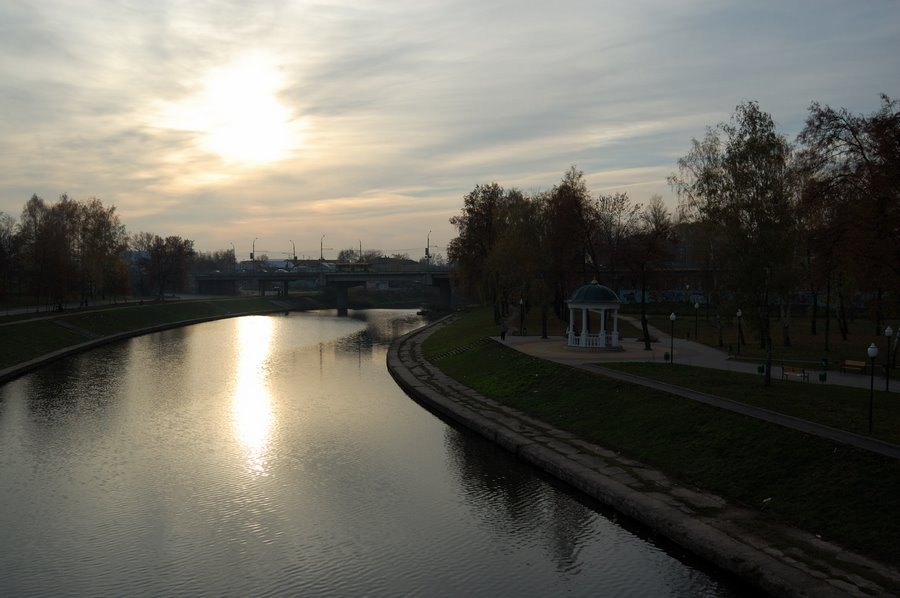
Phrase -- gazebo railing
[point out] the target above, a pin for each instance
(593, 340)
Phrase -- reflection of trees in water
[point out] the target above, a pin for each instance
(385, 326)
(83, 384)
(516, 504)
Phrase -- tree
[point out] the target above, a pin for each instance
(352, 254)
(8, 254)
(169, 259)
(569, 239)
(477, 226)
(101, 242)
(140, 245)
(851, 167)
(647, 246)
(743, 183)
(513, 262)
(222, 260)
(30, 238)
(616, 218)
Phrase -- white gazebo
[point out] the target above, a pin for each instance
(595, 298)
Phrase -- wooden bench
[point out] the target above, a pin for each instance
(792, 371)
(858, 366)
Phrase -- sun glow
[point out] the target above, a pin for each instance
(238, 115)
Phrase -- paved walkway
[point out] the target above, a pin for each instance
(782, 561)
(691, 353)
(685, 352)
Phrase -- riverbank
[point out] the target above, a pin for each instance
(34, 342)
(777, 558)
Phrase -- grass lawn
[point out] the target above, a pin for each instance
(842, 493)
(805, 347)
(24, 338)
(836, 406)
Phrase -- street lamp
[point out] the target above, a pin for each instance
(739, 314)
(888, 332)
(872, 352)
(696, 316)
(672, 339)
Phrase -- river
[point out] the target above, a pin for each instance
(274, 455)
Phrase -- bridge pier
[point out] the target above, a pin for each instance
(444, 292)
(343, 297)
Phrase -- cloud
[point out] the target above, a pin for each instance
(404, 106)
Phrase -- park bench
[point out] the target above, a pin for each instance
(793, 371)
(858, 366)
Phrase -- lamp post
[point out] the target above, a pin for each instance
(872, 352)
(672, 339)
(696, 319)
(888, 332)
(739, 314)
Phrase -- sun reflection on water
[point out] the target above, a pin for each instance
(252, 400)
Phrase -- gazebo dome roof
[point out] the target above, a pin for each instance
(594, 294)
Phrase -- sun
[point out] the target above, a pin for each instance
(237, 113)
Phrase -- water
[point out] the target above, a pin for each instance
(274, 455)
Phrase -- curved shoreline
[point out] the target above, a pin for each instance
(782, 561)
(20, 369)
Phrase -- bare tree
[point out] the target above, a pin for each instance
(616, 218)
(647, 246)
(169, 259)
(851, 165)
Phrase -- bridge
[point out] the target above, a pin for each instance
(342, 280)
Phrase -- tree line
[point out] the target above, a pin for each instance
(72, 250)
(763, 218)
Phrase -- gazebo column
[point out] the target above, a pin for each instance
(601, 340)
(584, 328)
(570, 333)
(615, 334)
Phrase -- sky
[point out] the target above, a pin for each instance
(265, 125)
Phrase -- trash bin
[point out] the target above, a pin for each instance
(822, 377)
